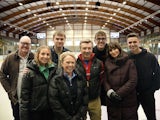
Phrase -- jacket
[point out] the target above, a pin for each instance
(148, 71)
(9, 74)
(102, 55)
(55, 56)
(96, 75)
(121, 76)
(68, 101)
(34, 91)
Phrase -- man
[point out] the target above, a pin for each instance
(92, 70)
(59, 38)
(101, 50)
(148, 71)
(12, 70)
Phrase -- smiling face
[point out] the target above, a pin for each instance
(24, 46)
(114, 52)
(59, 41)
(68, 64)
(133, 44)
(86, 50)
(100, 40)
(59, 38)
(44, 56)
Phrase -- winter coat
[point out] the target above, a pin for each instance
(96, 75)
(34, 91)
(148, 71)
(9, 74)
(68, 100)
(102, 55)
(55, 55)
(121, 76)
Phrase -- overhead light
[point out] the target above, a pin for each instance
(48, 4)
(98, 3)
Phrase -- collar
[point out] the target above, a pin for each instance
(43, 68)
(68, 77)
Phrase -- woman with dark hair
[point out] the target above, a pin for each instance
(34, 101)
(120, 84)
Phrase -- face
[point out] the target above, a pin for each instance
(133, 44)
(101, 41)
(59, 41)
(114, 52)
(44, 56)
(68, 64)
(24, 45)
(86, 50)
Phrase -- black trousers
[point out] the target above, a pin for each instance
(15, 109)
(147, 102)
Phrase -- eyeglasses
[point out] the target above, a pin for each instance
(25, 43)
(103, 39)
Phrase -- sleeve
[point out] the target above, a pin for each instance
(156, 73)
(55, 103)
(25, 99)
(131, 83)
(105, 81)
(83, 109)
(3, 75)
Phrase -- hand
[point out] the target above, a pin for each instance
(25, 70)
(11, 97)
(115, 98)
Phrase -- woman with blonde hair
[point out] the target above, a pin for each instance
(34, 101)
(68, 96)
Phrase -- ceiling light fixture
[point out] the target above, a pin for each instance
(48, 4)
(140, 21)
(98, 4)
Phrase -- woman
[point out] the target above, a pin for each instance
(68, 96)
(34, 101)
(121, 79)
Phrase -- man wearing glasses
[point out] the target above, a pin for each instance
(101, 50)
(12, 70)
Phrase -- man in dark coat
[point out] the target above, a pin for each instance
(101, 50)
(148, 71)
(92, 70)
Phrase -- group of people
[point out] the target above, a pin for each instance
(52, 84)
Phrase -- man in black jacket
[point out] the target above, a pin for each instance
(101, 50)
(148, 71)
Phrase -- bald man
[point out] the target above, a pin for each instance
(12, 70)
